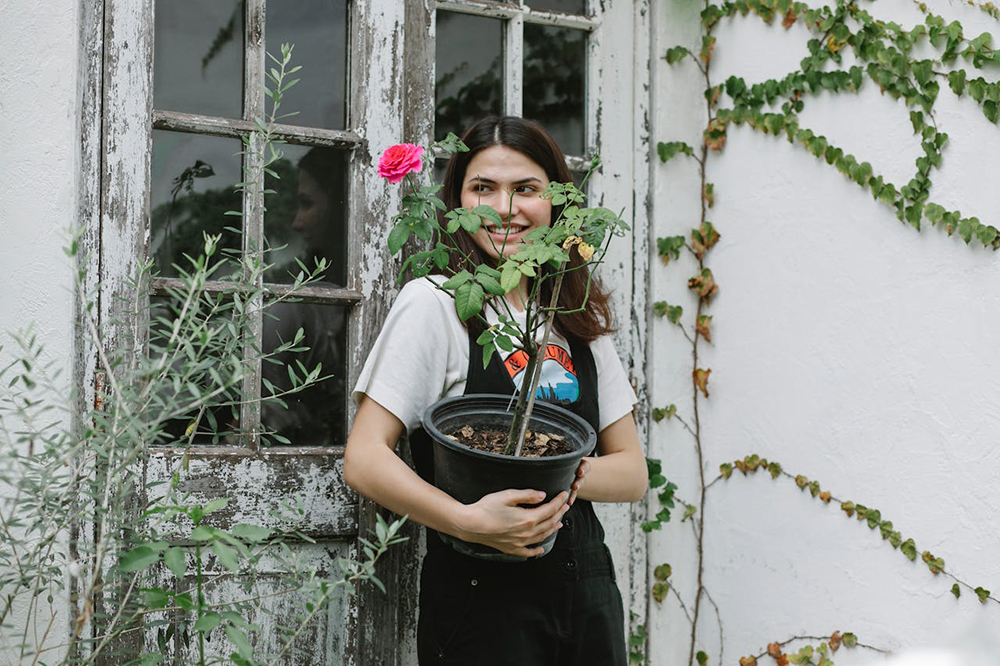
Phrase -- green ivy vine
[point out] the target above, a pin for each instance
(885, 51)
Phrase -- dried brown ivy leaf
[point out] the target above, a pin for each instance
(700, 377)
(835, 640)
(774, 650)
(704, 326)
(789, 19)
(748, 661)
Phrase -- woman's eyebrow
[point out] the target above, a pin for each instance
(490, 181)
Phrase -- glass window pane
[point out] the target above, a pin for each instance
(318, 31)
(565, 6)
(469, 70)
(192, 187)
(555, 66)
(198, 57)
(306, 216)
(315, 415)
(211, 413)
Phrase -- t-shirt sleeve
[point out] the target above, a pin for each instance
(409, 366)
(614, 391)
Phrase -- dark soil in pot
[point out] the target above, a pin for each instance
(468, 474)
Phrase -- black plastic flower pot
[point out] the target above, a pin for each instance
(467, 474)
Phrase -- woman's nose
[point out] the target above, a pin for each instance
(507, 204)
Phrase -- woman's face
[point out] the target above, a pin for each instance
(312, 219)
(510, 183)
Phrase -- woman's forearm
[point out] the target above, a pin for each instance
(615, 477)
(380, 475)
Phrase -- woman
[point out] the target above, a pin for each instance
(563, 608)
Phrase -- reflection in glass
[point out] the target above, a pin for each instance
(318, 31)
(555, 69)
(192, 188)
(206, 365)
(314, 416)
(198, 57)
(306, 216)
(565, 6)
(469, 70)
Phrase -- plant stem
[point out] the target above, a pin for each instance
(536, 371)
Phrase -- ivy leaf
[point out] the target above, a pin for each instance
(983, 594)
(672, 312)
(715, 134)
(991, 111)
(774, 469)
(660, 591)
(956, 591)
(825, 496)
(668, 150)
(704, 326)
(708, 194)
(726, 470)
(704, 284)
(702, 658)
(956, 81)
(707, 46)
(689, 510)
(662, 572)
(664, 413)
(700, 377)
(469, 300)
(835, 640)
(748, 661)
(850, 640)
(669, 248)
(675, 54)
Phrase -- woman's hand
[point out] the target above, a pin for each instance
(581, 473)
(497, 521)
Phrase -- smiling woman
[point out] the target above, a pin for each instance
(496, 610)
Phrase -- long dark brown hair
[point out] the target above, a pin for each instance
(532, 141)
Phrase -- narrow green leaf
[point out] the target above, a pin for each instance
(173, 558)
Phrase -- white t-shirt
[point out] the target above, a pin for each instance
(422, 355)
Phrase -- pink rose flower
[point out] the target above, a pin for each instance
(399, 160)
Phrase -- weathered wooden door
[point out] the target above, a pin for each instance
(183, 83)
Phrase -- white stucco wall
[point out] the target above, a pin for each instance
(39, 120)
(847, 346)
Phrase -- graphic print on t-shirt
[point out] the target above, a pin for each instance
(558, 382)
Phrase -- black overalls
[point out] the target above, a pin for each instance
(562, 609)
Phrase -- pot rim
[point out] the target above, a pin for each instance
(438, 436)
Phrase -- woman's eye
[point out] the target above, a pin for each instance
(525, 189)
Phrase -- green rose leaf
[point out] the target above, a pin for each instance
(489, 213)
(251, 533)
(457, 280)
(398, 237)
(469, 300)
(207, 622)
(173, 558)
(227, 556)
(239, 639)
(139, 558)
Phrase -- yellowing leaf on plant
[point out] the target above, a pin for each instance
(748, 661)
(704, 326)
(789, 19)
(774, 650)
(700, 377)
(825, 496)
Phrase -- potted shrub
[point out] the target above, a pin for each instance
(484, 443)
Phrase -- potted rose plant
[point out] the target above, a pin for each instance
(484, 443)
